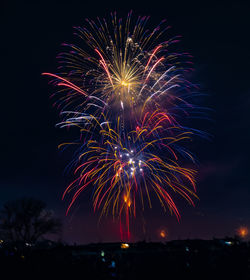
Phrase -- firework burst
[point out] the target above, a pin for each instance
(122, 71)
(126, 92)
(125, 168)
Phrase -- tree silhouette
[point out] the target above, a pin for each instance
(27, 220)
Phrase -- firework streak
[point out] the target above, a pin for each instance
(128, 95)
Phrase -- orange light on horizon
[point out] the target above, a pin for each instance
(163, 233)
(124, 246)
(242, 231)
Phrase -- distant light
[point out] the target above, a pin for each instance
(112, 264)
(163, 233)
(102, 253)
(124, 246)
(229, 243)
(242, 231)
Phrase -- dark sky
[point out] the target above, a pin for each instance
(216, 33)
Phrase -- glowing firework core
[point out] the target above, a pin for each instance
(124, 83)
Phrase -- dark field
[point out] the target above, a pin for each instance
(181, 259)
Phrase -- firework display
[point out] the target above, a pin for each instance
(127, 94)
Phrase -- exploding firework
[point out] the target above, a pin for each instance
(126, 92)
(125, 168)
(124, 69)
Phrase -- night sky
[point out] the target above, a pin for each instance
(216, 33)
